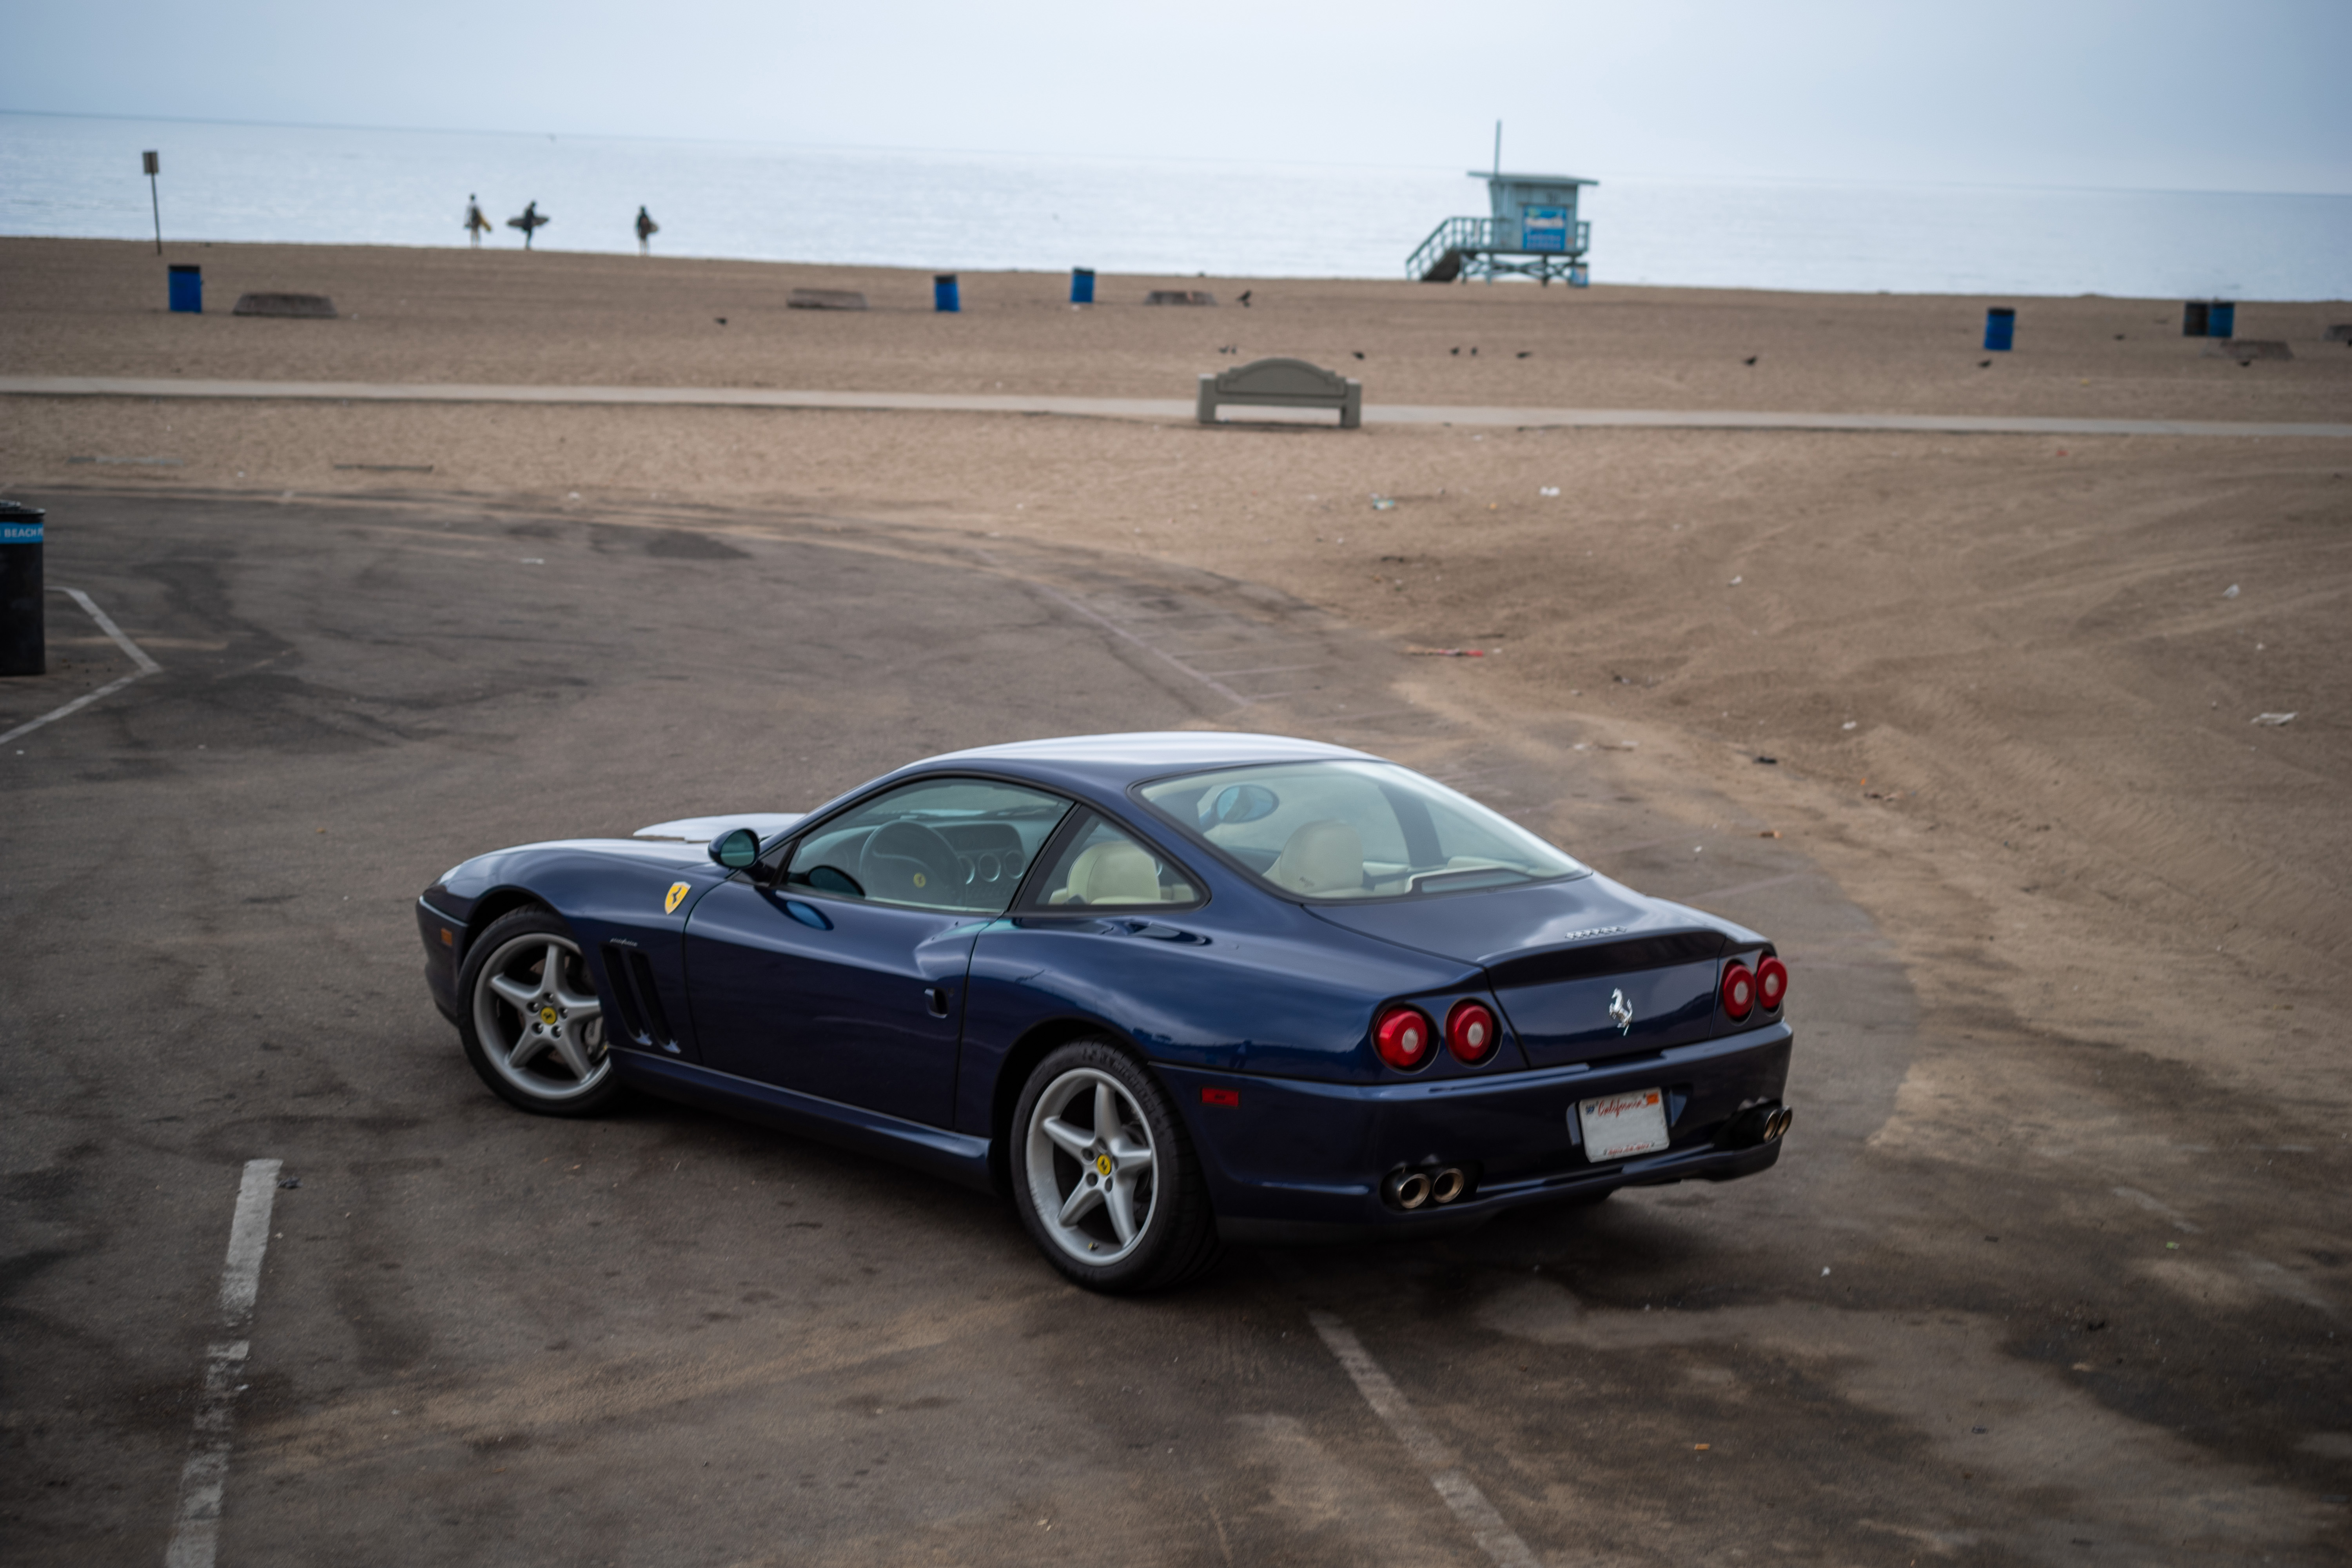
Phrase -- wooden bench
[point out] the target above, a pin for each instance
(1283, 383)
(316, 307)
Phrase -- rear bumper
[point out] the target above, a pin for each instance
(1300, 1160)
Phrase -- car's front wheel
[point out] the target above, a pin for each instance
(530, 1019)
(1105, 1181)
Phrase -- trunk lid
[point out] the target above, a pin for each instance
(1561, 955)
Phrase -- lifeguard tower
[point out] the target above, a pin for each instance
(1534, 233)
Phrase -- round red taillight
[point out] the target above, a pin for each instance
(1739, 991)
(1470, 1032)
(1771, 984)
(1403, 1036)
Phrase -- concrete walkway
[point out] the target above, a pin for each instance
(1150, 408)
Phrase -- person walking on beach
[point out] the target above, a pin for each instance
(531, 222)
(476, 225)
(646, 229)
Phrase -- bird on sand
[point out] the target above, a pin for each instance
(1749, 359)
(1245, 294)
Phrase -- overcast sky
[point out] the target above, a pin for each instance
(2164, 94)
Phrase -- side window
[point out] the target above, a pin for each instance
(938, 844)
(1102, 867)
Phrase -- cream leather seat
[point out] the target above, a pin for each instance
(1113, 873)
(1325, 857)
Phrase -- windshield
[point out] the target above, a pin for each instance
(1354, 830)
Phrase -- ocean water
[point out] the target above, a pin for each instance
(982, 211)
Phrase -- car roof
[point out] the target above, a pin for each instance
(1112, 763)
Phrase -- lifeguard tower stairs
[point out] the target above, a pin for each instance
(1534, 233)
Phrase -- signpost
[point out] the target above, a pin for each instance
(153, 166)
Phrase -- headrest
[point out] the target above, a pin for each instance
(1325, 857)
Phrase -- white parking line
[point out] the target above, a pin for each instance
(195, 1533)
(105, 624)
(1498, 1539)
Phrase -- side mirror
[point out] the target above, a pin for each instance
(737, 848)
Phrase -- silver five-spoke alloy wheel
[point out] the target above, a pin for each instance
(1094, 1172)
(536, 1015)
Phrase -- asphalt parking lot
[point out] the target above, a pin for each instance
(668, 1338)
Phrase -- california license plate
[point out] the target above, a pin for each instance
(1618, 1126)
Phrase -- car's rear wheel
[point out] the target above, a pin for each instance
(1105, 1181)
(532, 1022)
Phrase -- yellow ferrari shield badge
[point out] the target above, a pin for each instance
(678, 891)
(1102, 1164)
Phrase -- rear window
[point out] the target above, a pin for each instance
(1347, 829)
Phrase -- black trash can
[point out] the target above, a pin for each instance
(24, 641)
(2192, 318)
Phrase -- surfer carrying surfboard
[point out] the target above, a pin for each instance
(646, 229)
(531, 220)
(476, 225)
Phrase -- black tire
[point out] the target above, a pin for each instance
(539, 1046)
(1158, 1188)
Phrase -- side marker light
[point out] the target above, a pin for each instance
(1221, 1096)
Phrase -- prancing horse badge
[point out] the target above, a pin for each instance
(678, 891)
(1621, 1011)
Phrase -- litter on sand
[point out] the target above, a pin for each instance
(1549, 491)
(1447, 652)
(1847, 725)
(1383, 503)
(1770, 762)
(290, 1183)
(2273, 719)
(1769, 833)
(2230, 592)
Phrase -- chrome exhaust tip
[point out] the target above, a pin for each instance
(1450, 1185)
(1406, 1189)
(1757, 1124)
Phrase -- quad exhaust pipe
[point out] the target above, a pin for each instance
(1410, 1188)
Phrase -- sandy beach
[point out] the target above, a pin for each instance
(1999, 674)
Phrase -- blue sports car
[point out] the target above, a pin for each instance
(1164, 992)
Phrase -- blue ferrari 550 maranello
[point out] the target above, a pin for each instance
(1164, 992)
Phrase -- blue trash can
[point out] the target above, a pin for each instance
(188, 290)
(943, 294)
(2221, 318)
(2000, 329)
(24, 648)
(1082, 285)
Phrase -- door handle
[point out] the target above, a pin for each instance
(935, 998)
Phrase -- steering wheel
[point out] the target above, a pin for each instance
(909, 863)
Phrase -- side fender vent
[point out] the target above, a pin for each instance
(637, 996)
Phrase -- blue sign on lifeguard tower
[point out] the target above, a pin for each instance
(1534, 232)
